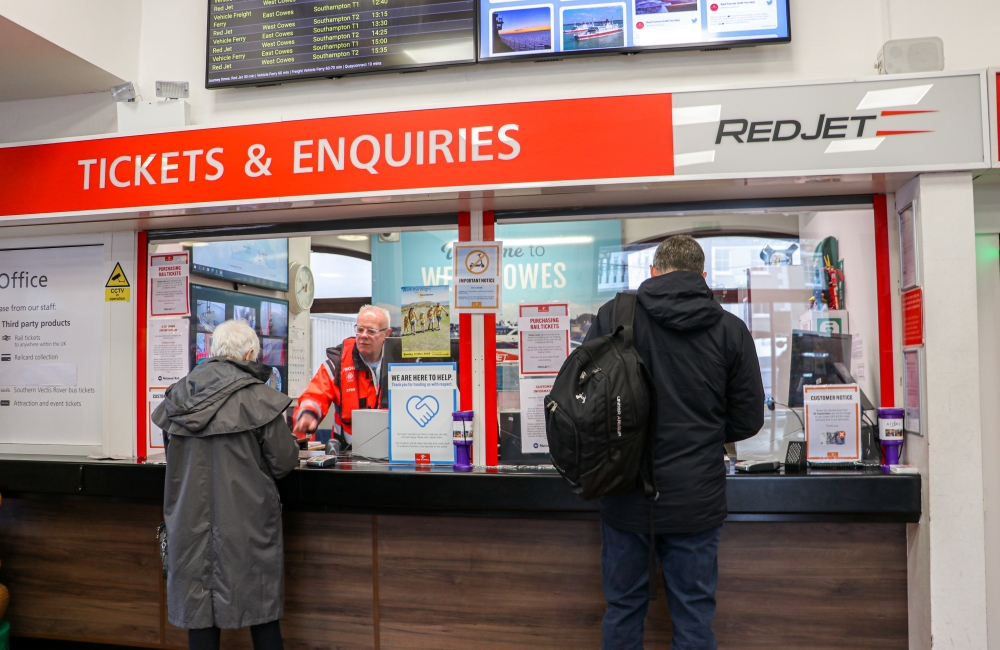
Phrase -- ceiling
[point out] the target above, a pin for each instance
(32, 67)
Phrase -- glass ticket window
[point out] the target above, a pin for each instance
(801, 282)
(792, 278)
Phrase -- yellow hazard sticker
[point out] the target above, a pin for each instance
(117, 288)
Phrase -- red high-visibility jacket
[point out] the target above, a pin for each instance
(346, 384)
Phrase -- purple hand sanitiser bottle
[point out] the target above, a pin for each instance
(462, 439)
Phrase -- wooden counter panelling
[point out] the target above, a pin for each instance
(328, 585)
(90, 572)
(817, 586)
(505, 584)
(81, 570)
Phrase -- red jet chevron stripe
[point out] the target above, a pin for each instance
(891, 113)
(881, 133)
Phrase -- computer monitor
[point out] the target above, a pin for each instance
(817, 358)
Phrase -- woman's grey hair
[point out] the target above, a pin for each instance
(679, 253)
(233, 339)
(381, 311)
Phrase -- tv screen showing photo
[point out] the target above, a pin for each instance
(529, 28)
(273, 319)
(249, 314)
(267, 316)
(273, 352)
(210, 314)
(203, 347)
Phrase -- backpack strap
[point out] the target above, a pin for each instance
(624, 311)
(624, 319)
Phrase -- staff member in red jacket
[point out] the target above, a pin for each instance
(353, 377)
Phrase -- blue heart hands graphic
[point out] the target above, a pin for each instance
(422, 409)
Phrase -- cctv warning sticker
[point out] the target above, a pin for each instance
(117, 288)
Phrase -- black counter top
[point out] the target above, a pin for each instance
(369, 487)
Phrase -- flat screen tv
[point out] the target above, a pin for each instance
(511, 29)
(261, 42)
(260, 262)
(815, 360)
(267, 316)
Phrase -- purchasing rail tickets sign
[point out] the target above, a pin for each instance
(899, 123)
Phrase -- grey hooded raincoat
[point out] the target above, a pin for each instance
(227, 442)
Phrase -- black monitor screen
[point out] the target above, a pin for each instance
(815, 356)
(528, 28)
(255, 42)
(260, 262)
(268, 317)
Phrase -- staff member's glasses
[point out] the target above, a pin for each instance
(369, 331)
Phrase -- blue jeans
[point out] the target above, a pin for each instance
(690, 573)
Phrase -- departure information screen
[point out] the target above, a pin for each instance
(253, 42)
(534, 28)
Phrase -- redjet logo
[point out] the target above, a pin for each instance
(851, 128)
(827, 128)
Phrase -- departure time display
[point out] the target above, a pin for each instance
(255, 42)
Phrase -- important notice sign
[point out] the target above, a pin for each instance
(477, 281)
(51, 328)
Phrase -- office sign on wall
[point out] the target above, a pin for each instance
(51, 323)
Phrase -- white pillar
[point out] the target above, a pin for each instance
(478, 363)
(945, 554)
(988, 285)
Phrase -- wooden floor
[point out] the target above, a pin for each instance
(90, 572)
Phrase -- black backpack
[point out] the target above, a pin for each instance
(598, 412)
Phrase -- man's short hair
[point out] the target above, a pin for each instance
(381, 311)
(679, 253)
(233, 339)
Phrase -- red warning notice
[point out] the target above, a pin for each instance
(913, 317)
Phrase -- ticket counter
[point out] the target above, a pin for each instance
(802, 239)
(396, 557)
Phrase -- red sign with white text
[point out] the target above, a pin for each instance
(452, 148)
(913, 317)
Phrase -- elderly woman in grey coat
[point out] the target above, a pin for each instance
(227, 442)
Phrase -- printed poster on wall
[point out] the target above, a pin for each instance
(833, 423)
(544, 338)
(422, 397)
(477, 277)
(169, 285)
(51, 345)
(542, 262)
(426, 324)
(533, 390)
(168, 351)
(911, 391)
(156, 397)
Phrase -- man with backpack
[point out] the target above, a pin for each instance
(708, 391)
